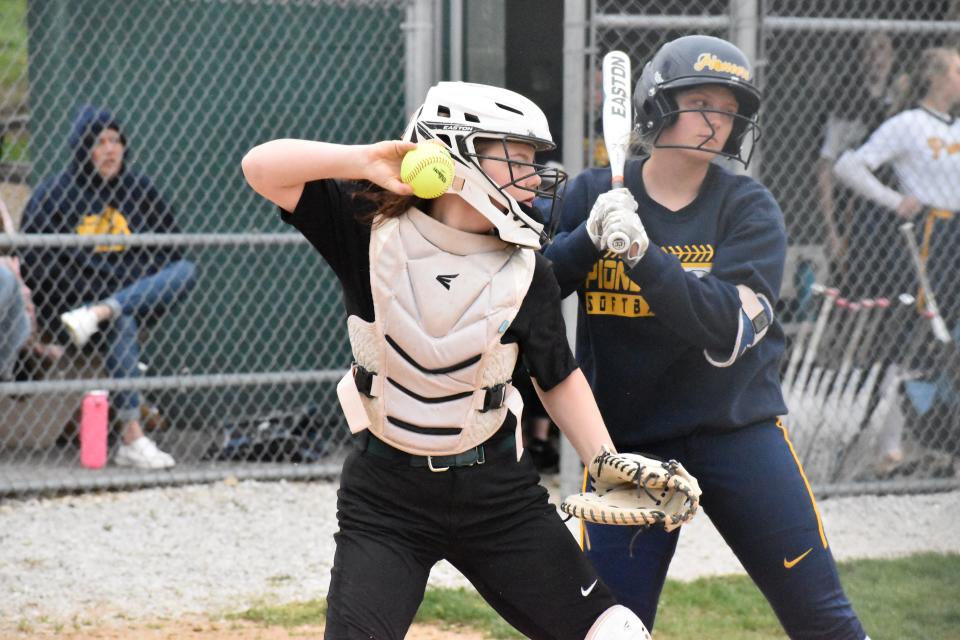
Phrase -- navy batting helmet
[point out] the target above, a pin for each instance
(693, 61)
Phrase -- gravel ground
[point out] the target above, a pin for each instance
(222, 547)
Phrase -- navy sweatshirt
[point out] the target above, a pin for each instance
(641, 332)
(78, 200)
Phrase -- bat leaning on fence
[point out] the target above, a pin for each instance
(838, 381)
(818, 398)
(808, 347)
(801, 339)
(889, 370)
(937, 325)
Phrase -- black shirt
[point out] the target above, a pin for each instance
(327, 216)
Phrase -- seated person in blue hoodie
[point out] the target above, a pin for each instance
(107, 290)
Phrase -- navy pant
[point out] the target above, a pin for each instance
(756, 495)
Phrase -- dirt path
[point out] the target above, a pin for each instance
(201, 629)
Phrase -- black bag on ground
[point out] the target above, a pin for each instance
(300, 436)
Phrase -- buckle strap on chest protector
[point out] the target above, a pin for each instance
(363, 379)
(493, 398)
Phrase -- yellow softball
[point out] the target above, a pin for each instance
(428, 169)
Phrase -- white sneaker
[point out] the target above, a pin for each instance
(81, 324)
(143, 454)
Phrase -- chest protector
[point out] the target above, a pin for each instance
(430, 375)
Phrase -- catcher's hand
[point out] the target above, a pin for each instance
(631, 489)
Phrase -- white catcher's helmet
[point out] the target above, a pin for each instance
(458, 114)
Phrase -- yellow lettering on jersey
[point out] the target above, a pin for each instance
(109, 222)
(623, 281)
(592, 275)
(610, 273)
(609, 291)
(603, 303)
(939, 144)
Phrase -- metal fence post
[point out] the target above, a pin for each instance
(745, 33)
(419, 30)
(574, 82)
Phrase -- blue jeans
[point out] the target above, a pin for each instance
(130, 306)
(14, 323)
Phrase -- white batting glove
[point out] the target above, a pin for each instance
(626, 223)
(613, 200)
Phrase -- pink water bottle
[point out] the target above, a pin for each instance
(93, 430)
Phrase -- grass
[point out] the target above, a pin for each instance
(915, 597)
(902, 610)
(294, 614)
(13, 75)
(15, 148)
(13, 52)
(453, 608)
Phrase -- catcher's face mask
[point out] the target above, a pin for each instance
(464, 116)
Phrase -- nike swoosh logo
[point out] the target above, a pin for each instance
(790, 564)
(586, 592)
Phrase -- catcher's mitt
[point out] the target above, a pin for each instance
(631, 489)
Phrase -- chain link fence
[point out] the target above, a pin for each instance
(873, 389)
(233, 358)
(227, 337)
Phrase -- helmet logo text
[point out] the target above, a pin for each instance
(454, 127)
(712, 62)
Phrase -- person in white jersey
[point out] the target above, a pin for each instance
(922, 146)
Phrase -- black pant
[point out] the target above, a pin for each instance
(491, 521)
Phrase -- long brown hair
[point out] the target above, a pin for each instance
(377, 201)
(387, 204)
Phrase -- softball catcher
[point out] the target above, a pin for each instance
(442, 298)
